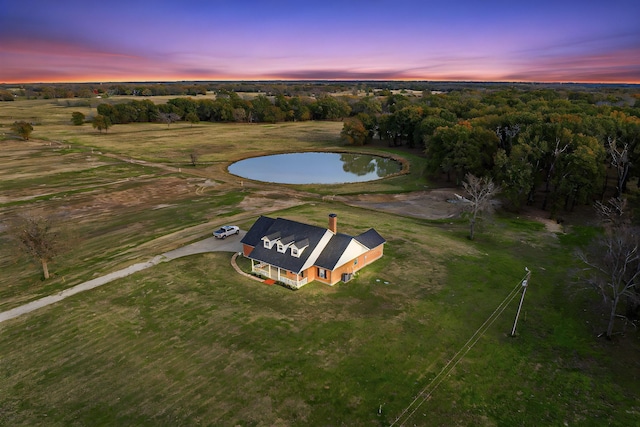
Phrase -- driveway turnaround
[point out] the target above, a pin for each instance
(211, 244)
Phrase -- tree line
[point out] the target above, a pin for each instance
(561, 149)
(227, 107)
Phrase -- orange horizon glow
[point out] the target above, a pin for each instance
(124, 42)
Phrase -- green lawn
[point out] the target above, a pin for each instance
(190, 342)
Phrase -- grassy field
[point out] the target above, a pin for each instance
(190, 342)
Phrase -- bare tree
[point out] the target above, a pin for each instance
(557, 151)
(38, 238)
(194, 158)
(619, 160)
(168, 118)
(481, 192)
(615, 262)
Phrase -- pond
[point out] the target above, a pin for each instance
(315, 168)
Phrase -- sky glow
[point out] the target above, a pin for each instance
(493, 40)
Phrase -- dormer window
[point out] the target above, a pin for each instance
(282, 248)
(298, 247)
(268, 241)
(284, 243)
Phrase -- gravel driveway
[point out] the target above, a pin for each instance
(210, 244)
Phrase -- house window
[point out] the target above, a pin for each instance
(294, 252)
(355, 261)
(322, 273)
(266, 244)
(281, 247)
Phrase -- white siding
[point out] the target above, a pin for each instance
(317, 250)
(353, 250)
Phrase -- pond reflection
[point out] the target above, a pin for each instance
(315, 168)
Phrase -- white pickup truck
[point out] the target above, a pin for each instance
(226, 230)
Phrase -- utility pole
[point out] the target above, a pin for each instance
(525, 282)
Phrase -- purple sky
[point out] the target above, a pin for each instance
(138, 40)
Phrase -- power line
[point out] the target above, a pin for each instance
(428, 390)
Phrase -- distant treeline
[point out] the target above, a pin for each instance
(228, 107)
(9, 92)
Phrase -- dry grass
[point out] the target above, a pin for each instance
(190, 342)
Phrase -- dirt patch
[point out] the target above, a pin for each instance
(551, 225)
(429, 204)
(269, 200)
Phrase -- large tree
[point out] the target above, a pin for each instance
(101, 123)
(353, 132)
(77, 118)
(480, 195)
(23, 129)
(38, 238)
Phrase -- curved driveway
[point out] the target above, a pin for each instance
(211, 244)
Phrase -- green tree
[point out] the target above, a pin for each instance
(580, 171)
(101, 123)
(406, 121)
(461, 149)
(22, 129)
(77, 118)
(329, 108)
(353, 132)
(367, 105)
(515, 172)
(192, 118)
(426, 128)
(109, 112)
(301, 111)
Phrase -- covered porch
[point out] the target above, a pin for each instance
(291, 279)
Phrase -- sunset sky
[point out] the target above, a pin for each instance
(496, 40)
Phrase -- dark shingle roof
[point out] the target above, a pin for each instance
(302, 235)
(299, 231)
(257, 231)
(370, 238)
(333, 251)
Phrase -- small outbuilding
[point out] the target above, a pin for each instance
(295, 253)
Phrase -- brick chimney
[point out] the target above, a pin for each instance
(333, 223)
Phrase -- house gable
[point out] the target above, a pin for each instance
(353, 251)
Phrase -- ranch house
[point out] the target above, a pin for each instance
(295, 253)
